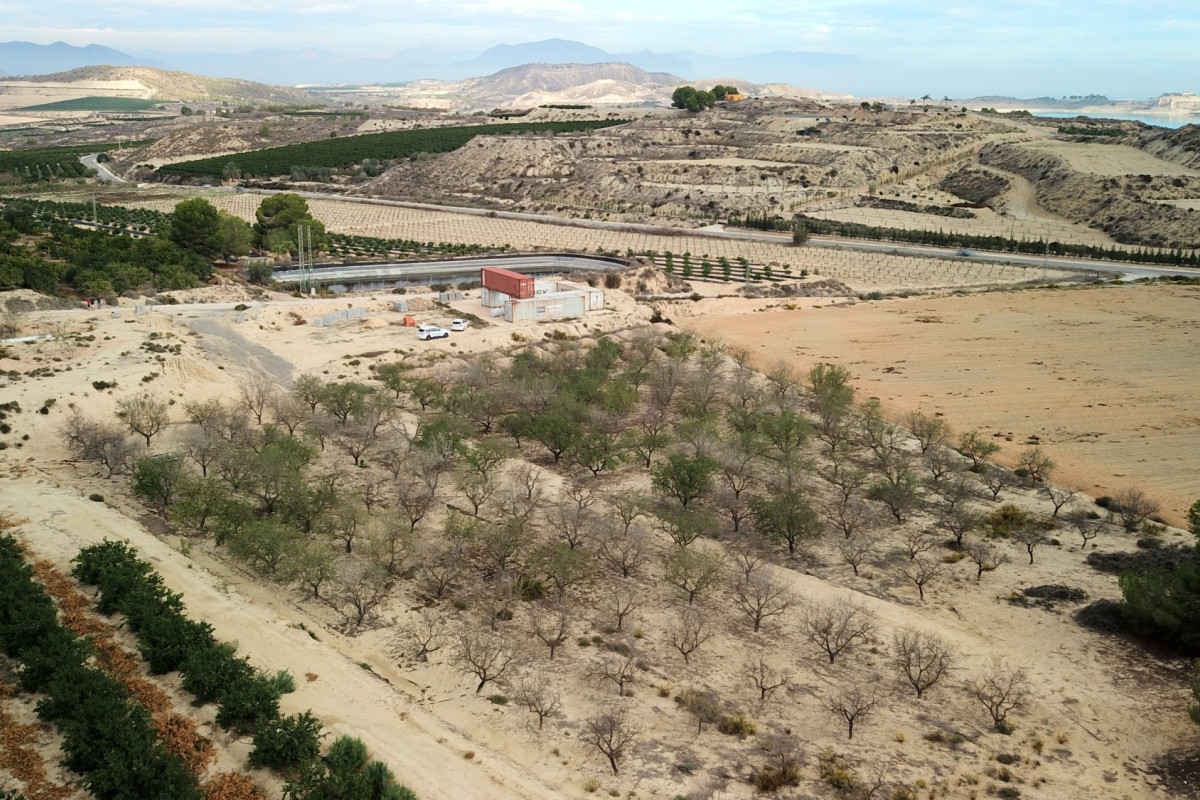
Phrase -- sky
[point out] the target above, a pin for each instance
(1144, 35)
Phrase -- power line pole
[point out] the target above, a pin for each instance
(304, 257)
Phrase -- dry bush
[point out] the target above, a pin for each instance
(231, 786)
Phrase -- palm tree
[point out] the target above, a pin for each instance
(231, 172)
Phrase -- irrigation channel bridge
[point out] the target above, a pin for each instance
(364, 277)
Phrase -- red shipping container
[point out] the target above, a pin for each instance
(513, 284)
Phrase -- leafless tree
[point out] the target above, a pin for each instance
(930, 430)
(551, 624)
(1133, 507)
(747, 556)
(958, 521)
(1059, 496)
(101, 442)
(573, 523)
(359, 586)
(923, 659)
(527, 481)
(622, 549)
(1083, 523)
(1036, 462)
(914, 541)
(612, 734)
(1002, 691)
(954, 488)
(143, 413)
(391, 543)
(850, 516)
(623, 600)
(439, 568)
(762, 596)
(922, 571)
(693, 570)
(848, 478)
(783, 383)
(942, 463)
(620, 670)
(415, 495)
(485, 655)
(255, 394)
(427, 632)
(288, 411)
(1030, 536)
(628, 506)
(996, 479)
(764, 677)
(985, 555)
(856, 551)
(735, 476)
(540, 697)
(688, 631)
(835, 625)
(854, 704)
(478, 489)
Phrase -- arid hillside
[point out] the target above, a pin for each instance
(758, 156)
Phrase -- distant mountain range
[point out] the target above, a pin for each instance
(27, 58)
(313, 66)
(829, 72)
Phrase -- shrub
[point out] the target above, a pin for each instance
(1007, 758)
(96, 498)
(288, 742)
(736, 725)
(772, 779)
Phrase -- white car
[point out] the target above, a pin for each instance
(459, 325)
(431, 332)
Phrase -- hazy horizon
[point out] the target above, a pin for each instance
(1121, 48)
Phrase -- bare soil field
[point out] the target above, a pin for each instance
(1109, 159)
(1101, 377)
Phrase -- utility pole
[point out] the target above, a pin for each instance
(304, 257)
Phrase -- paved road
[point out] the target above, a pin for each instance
(103, 174)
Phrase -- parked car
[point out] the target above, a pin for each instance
(431, 332)
(965, 253)
(459, 325)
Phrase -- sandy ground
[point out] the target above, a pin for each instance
(1102, 376)
(1109, 159)
(1101, 713)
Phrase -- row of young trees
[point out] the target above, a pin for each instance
(247, 699)
(1038, 247)
(108, 738)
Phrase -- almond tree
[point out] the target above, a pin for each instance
(144, 414)
(923, 659)
(761, 596)
(689, 631)
(764, 677)
(854, 704)
(612, 734)
(1002, 691)
(485, 655)
(836, 625)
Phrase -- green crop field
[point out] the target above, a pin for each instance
(48, 163)
(118, 104)
(347, 151)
